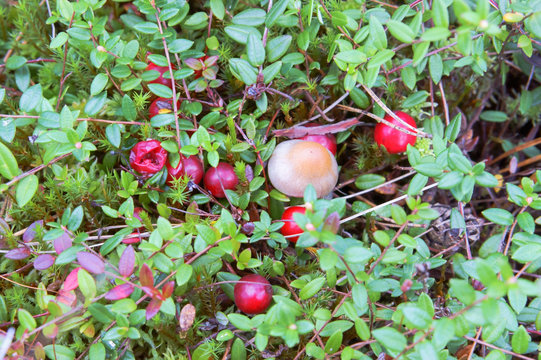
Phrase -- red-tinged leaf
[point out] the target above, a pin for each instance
(194, 64)
(62, 243)
(133, 238)
(66, 297)
(51, 331)
(44, 261)
(167, 290)
(71, 282)
(153, 308)
(211, 60)
(90, 262)
(18, 253)
(119, 292)
(145, 276)
(126, 262)
(30, 232)
(150, 291)
(332, 223)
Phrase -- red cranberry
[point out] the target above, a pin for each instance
(290, 226)
(161, 106)
(133, 238)
(394, 140)
(148, 157)
(190, 166)
(327, 140)
(223, 174)
(253, 294)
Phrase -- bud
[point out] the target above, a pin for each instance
(310, 227)
(101, 48)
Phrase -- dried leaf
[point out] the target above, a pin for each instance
(300, 131)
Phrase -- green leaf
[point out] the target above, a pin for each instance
(334, 342)
(250, 17)
(533, 23)
(87, 285)
(380, 58)
(255, 50)
(391, 338)
(400, 31)
(65, 8)
(275, 12)
(311, 288)
(241, 322)
(520, 340)
(418, 317)
(243, 71)
(499, 216)
(377, 33)
(98, 84)
(419, 52)
(435, 65)
(59, 352)
(146, 27)
(277, 47)
(493, 116)
(354, 57)
(31, 98)
(97, 351)
(26, 189)
(450, 180)
(160, 90)
(179, 45)
(95, 104)
(26, 320)
(368, 181)
(128, 108)
(8, 164)
(240, 33)
(426, 351)
(218, 8)
(440, 15)
(59, 40)
(436, 34)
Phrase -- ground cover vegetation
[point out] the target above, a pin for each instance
(288, 179)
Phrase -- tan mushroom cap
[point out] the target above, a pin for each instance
(296, 163)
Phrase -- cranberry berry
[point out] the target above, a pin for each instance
(190, 166)
(148, 157)
(220, 178)
(328, 140)
(253, 294)
(161, 106)
(395, 141)
(290, 226)
(162, 70)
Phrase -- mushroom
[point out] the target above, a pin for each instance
(296, 163)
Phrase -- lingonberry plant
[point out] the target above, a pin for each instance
(426, 251)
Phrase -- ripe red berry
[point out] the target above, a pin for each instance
(290, 226)
(161, 106)
(394, 140)
(327, 140)
(223, 174)
(162, 70)
(190, 166)
(253, 294)
(148, 157)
